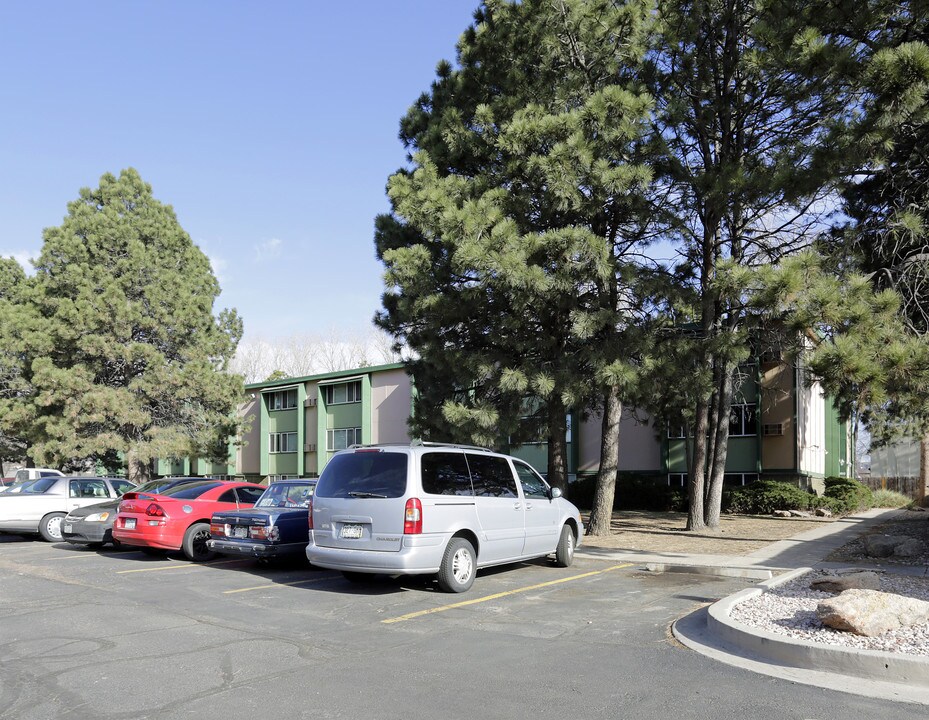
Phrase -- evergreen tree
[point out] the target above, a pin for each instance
(889, 207)
(122, 352)
(12, 386)
(510, 245)
(746, 94)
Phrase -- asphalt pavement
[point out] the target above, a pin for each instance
(120, 634)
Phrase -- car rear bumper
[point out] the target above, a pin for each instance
(147, 536)
(254, 549)
(419, 555)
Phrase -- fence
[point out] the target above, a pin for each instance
(904, 485)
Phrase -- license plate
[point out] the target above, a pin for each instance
(239, 532)
(67, 528)
(130, 524)
(350, 532)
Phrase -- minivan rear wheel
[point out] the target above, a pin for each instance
(456, 573)
(564, 553)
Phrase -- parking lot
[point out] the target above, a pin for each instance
(122, 634)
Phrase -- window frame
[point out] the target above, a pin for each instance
(330, 438)
(283, 396)
(353, 392)
(278, 442)
(741, 408)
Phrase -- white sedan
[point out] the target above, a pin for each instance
(41, 504)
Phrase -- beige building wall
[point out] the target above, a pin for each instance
(311, 425)
(639, 447)
(777, 407)
(390, 406)
(248, 454)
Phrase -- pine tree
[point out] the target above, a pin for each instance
(508, 249)
(889, 206)
(122, 352)
(12, 384)
(746, 95)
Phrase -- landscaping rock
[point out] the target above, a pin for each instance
(781, 513)
(866, 580)
(881, 545)
(799, 513)
(871, 613)
(823, 512)
(911, 547)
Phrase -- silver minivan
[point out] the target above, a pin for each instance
(430, 508)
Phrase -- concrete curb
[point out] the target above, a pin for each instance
(867, 664)
(752, 573)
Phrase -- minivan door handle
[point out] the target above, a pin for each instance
(528, 506)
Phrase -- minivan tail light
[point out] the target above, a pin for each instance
(413, 517)
(309, 515)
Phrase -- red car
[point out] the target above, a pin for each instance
(179, 517)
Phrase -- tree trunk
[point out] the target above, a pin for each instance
(137, 470)
(601, 513)
(922, 487)
(695, 520)
(714, 493)
(557, 447)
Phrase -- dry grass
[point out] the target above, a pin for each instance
(657, 532)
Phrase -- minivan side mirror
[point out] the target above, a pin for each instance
(555, 493)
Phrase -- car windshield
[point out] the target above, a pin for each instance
(189, 491)
(287, 495)
(158, 486)
(364, 474)
(39, 486)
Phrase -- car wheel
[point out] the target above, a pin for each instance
(564, 553)
(194, 545)
(456, 573)
(50, 527)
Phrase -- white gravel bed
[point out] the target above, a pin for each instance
(790, 609)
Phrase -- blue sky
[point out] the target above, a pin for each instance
(270, 127)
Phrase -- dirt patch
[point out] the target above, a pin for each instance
(656, 532)
(913, 524)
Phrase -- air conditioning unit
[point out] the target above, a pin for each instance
(309, 447)
(773, 429)
(309, 402)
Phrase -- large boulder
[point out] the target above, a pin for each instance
(881, 545)
(871, 613)
(866, 580)
(911, 547)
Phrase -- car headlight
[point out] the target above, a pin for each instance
(97, 517)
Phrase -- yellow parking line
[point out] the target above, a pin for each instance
(464, 603)
(274, 585)
(178, 566)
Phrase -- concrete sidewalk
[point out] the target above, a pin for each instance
(712, 632)
(806, 549)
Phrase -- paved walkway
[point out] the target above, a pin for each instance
(712, 632)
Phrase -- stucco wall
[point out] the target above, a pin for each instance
(390, 406)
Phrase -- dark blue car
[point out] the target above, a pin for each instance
(276, 526)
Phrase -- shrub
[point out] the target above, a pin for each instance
(763, 497)
(889, 499)
(849, 495)
(633, 492)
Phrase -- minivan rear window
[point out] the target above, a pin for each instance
(364, 474)
(446, 473)
(492, 476)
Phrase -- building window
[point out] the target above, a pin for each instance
(285, 442)
(739, 479)
(282, 400)
(276, 478)
(342, 438)
(743, 420)
(676, 432)
(677, 479)
(343, 393)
